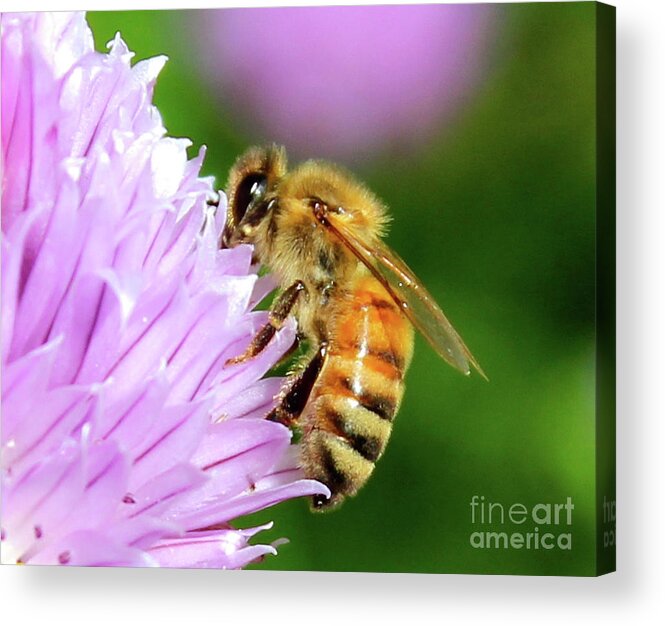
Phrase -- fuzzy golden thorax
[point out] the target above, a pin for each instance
(279, 219)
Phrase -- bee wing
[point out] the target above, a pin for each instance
(410, 296)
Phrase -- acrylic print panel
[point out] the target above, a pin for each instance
(163, 405)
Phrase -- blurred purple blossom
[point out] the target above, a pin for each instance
(125, 440)
(345, 81)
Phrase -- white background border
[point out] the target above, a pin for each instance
(634, 594)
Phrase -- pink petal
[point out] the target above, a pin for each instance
(173, 440)
(224, 549)
(93, 549)
(243, 504)
(158, 494)
(255, 401)
(235, 455)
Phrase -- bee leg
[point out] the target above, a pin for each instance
(276, 317)
(294, 400)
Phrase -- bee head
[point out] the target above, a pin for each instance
(251, 178)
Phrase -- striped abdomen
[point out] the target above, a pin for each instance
(349, 417)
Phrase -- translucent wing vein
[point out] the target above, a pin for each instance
(410, 295)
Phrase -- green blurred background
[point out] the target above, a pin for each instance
(496, 215)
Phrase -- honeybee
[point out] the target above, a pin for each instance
(356, 302)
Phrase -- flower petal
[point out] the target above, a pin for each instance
(246, 503)
(93, 549)
(120, 416)
(224, 549)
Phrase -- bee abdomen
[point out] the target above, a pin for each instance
(348, 421)
(345, 442)
(362, 430)
(349, 425)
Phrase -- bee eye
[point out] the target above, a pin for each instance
(251, 189)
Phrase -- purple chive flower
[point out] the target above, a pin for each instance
(125, 439)
(345, 81)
